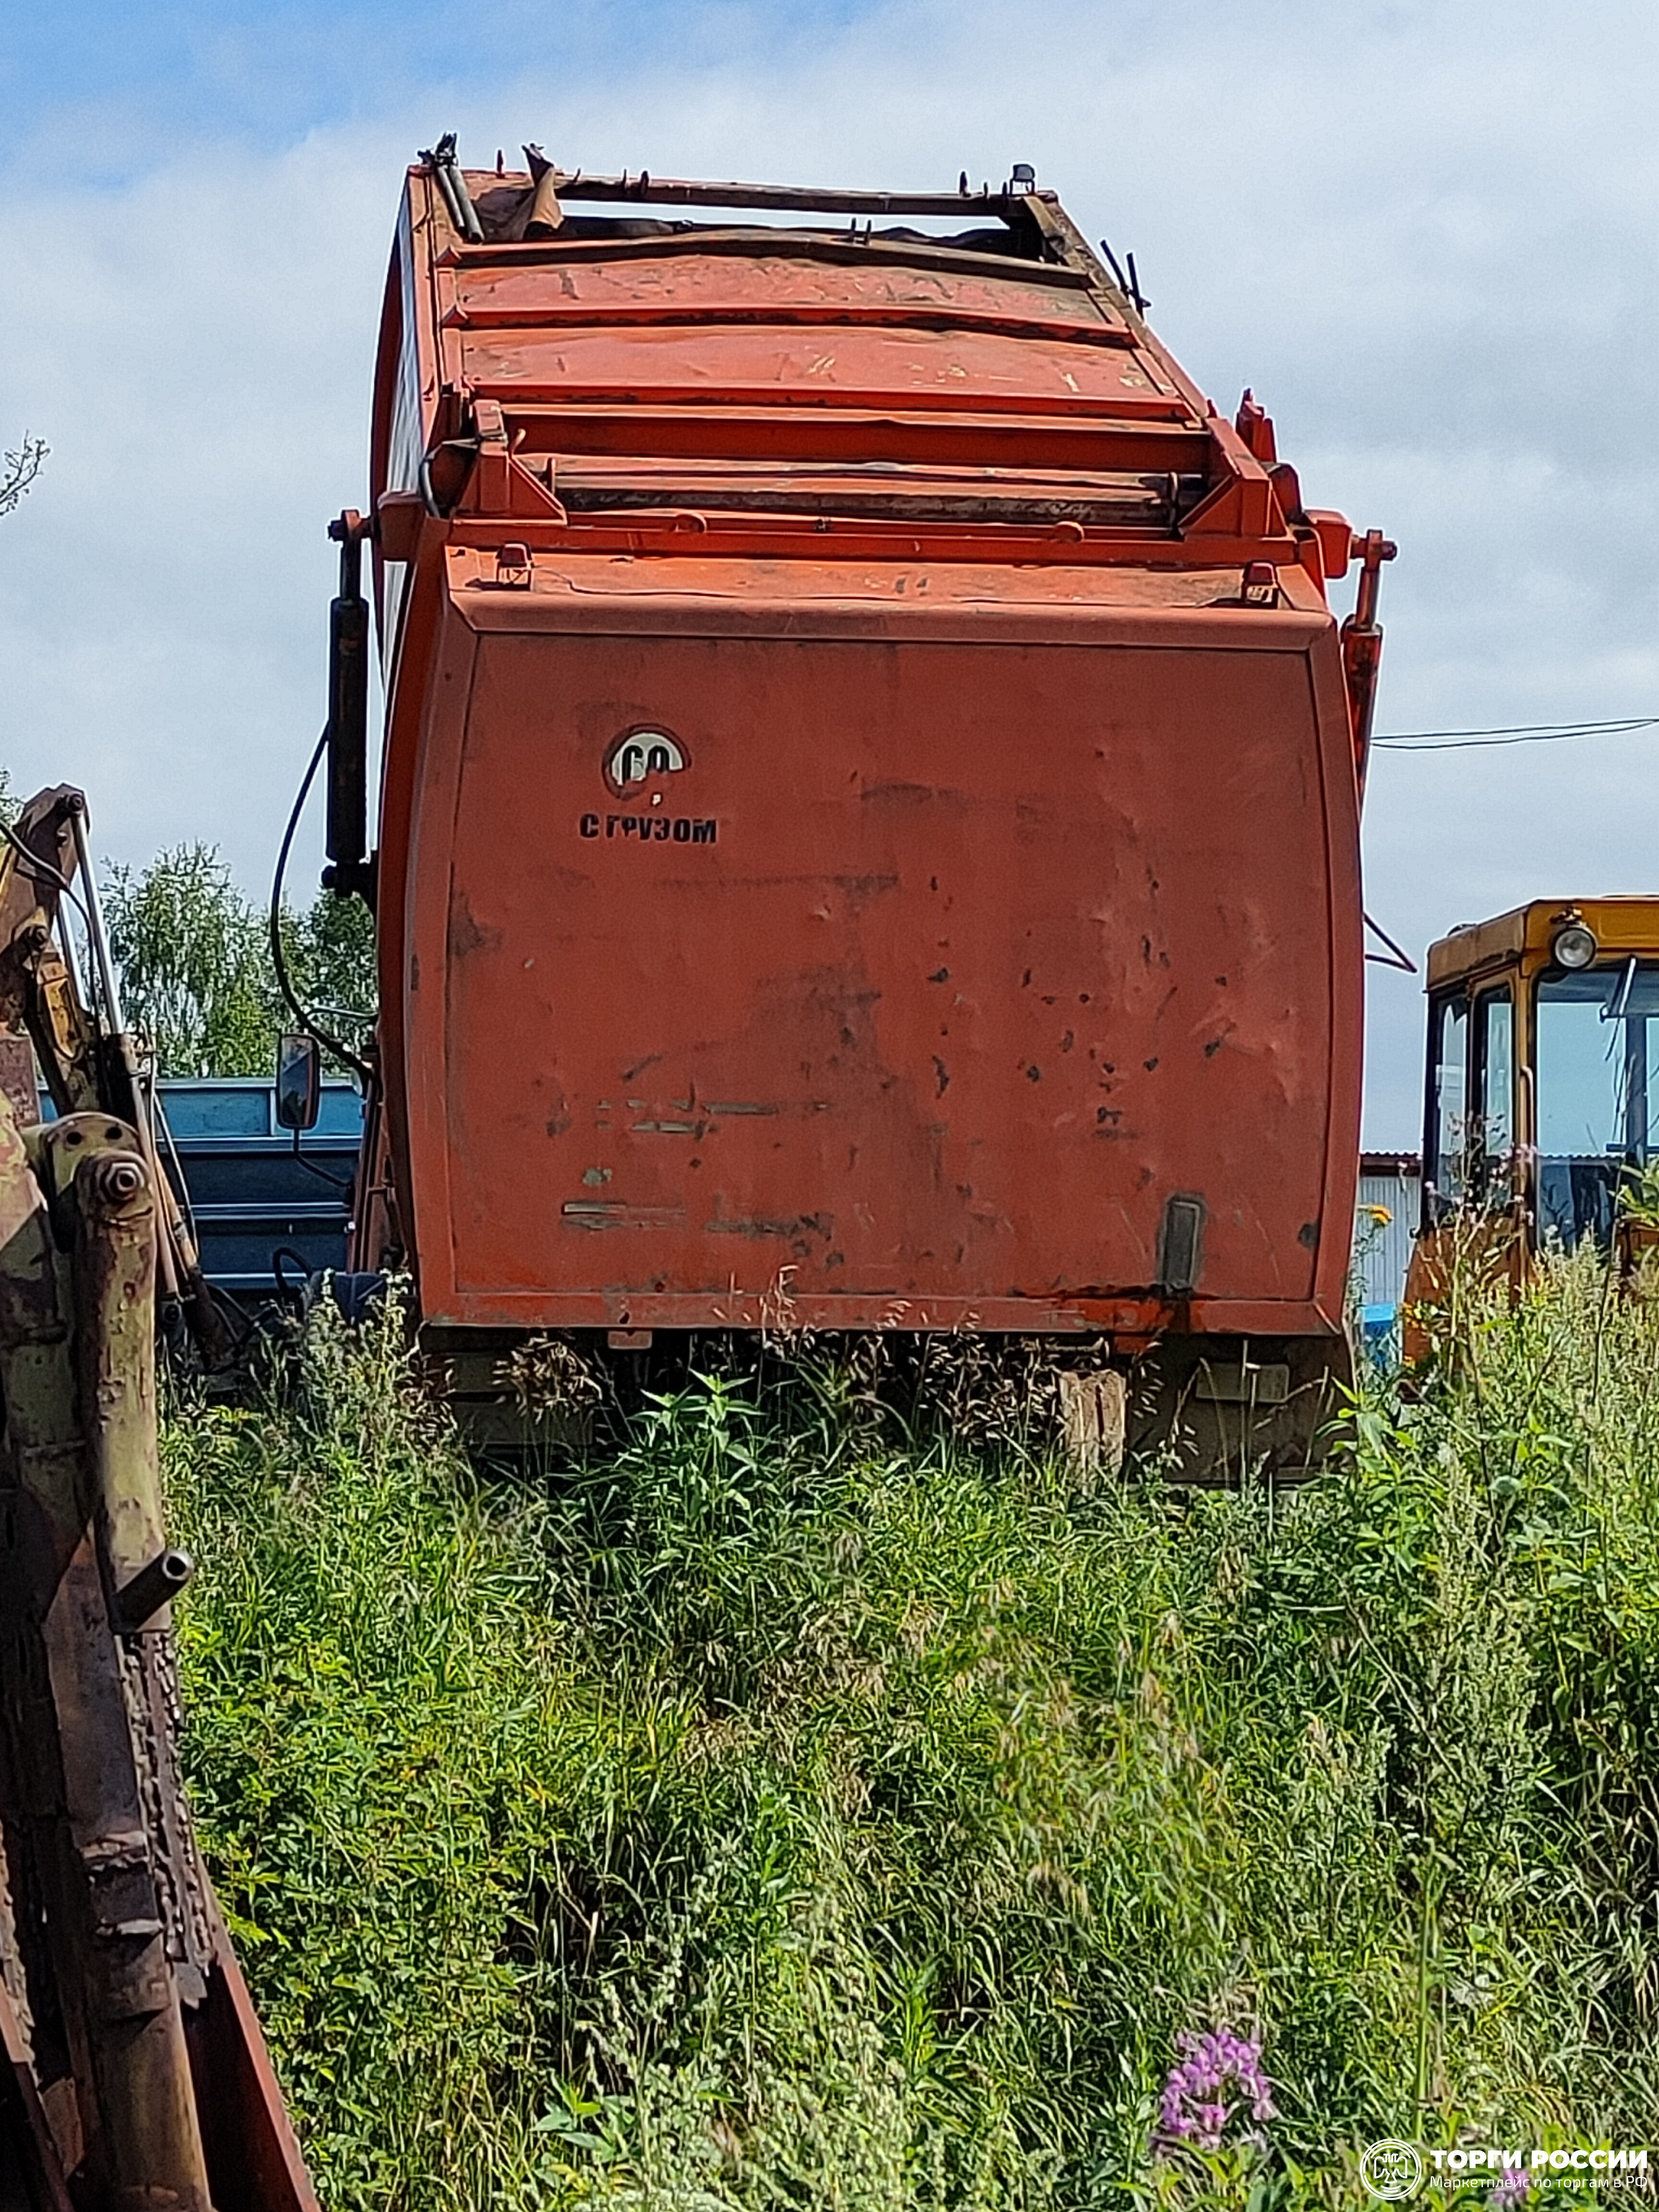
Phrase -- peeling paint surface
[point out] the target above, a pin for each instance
(998, 948)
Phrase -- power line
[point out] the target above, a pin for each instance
(1517, 733)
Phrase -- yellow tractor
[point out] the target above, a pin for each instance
(1542, 1106)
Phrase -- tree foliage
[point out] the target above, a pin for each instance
(197, 975)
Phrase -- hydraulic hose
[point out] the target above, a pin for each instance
(278, 956)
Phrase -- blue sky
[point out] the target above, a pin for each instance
(265, 76)
(1424, 232)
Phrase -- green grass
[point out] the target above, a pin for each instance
(782, 1812)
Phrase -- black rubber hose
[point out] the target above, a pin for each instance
(278, 957)
(278, 1258)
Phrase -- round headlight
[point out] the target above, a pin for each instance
(1574, 946)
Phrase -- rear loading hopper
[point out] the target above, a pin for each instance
(869, 829)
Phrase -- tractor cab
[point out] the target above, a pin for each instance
(1542, 1091)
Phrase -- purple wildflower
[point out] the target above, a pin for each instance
(1511, 2187)
(1217, 2079)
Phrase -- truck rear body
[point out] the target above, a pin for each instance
(869, 826)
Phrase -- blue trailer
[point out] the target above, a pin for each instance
(254, 1192)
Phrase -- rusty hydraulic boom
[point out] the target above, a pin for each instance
(135, 2077)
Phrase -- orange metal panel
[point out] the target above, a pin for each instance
(713, 593)
(861, 365)
(724, 288)
(930, 976)
(964, 437)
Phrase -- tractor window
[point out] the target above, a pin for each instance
(1598, 1111)
(1495, 1100)
(1444, 1175)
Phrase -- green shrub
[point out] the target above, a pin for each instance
(771, 1813)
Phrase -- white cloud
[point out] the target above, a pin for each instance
(1423, 233)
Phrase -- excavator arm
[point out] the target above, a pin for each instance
(39, 998)
(133, 2073)
(89, 1057)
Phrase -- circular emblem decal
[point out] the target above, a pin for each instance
(638, 755)
(1392, 2171)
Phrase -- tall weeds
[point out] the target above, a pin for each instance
(776, 1811)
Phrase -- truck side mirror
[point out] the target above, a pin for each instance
(299, 1080)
